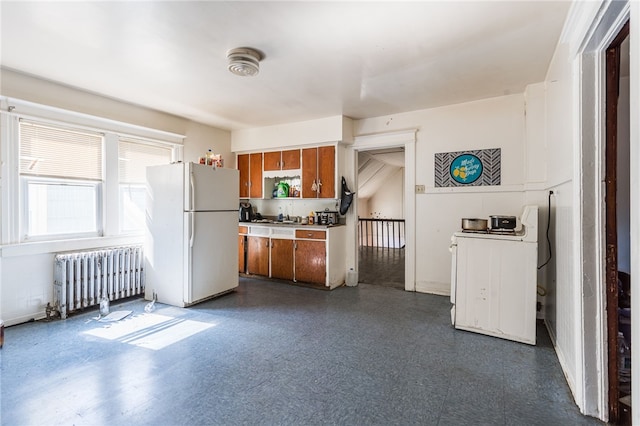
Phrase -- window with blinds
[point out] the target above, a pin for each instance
(133, 159)
(61, 178)
(48, 151)
(135, 156)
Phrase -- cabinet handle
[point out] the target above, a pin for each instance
(319, 186)
(278, 163)
(267, 243)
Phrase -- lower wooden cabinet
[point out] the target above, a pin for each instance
(242, 254)
(258, 255)
(282, 259)
(308, 255)
(311, 261)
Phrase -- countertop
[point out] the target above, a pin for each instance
(287, 224)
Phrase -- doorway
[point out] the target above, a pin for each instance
(405, 139)
(617, 227)
(381, 219)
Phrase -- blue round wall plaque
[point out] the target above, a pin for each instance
(466, 168)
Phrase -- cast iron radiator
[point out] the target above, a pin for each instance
(82, 279)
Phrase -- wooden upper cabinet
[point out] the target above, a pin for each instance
(255, 171)
(309, 172)
(291, 159)
(327, 171)
(272, 160)
(282, 160)
(250, 167)
(243, 167)
(319, 172)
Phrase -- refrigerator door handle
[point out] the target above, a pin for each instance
(192, 233)
(192, 183)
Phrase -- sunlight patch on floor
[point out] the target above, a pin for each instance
(151, 331)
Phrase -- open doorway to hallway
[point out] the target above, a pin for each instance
(381, 217)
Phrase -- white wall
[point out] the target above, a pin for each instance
(560, 310)
(312, 132)
(388, 200)
(491, 123)
(26, 270)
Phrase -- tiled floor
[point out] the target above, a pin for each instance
(381, 266)
(277, 354)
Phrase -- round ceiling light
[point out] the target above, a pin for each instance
(244, 61)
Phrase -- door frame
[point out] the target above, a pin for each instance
(407, 140)
(592, 383)
(612, 90)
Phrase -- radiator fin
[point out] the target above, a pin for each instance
(82, 278)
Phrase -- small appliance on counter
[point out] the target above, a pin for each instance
(327, 217)
(503, 223)
(246, 212)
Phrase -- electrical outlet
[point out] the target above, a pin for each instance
(419, 189)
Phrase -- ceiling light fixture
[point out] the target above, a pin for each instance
(244, 61)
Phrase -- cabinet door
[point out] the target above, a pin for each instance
(258, 255)
(241, 254)
(327, 172)
(243, 167)
(255, 168)
(290, 159)
(311, 261)
(272, 161)
(309, 172)
(282, 259)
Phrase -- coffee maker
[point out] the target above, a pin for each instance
(246, 212)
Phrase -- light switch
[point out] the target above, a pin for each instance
(419, 189)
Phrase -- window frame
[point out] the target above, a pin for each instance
(25, 180)
(12, 189)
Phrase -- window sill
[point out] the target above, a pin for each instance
(44, 247)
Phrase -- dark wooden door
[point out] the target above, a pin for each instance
(258, 256)
(611, 228)
(255, 168)
(311, 261)
(282, 259)
(327, 171)
(243, 167)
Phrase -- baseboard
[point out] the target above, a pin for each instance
(432, 287)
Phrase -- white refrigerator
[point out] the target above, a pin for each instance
(191, 238)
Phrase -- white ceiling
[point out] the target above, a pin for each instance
(358, 59)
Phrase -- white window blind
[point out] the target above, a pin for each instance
(134, 157)
(48, 151)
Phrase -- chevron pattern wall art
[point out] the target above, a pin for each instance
(479, 167)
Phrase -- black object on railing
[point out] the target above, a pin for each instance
(387, 233)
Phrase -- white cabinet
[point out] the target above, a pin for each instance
(495, 288)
